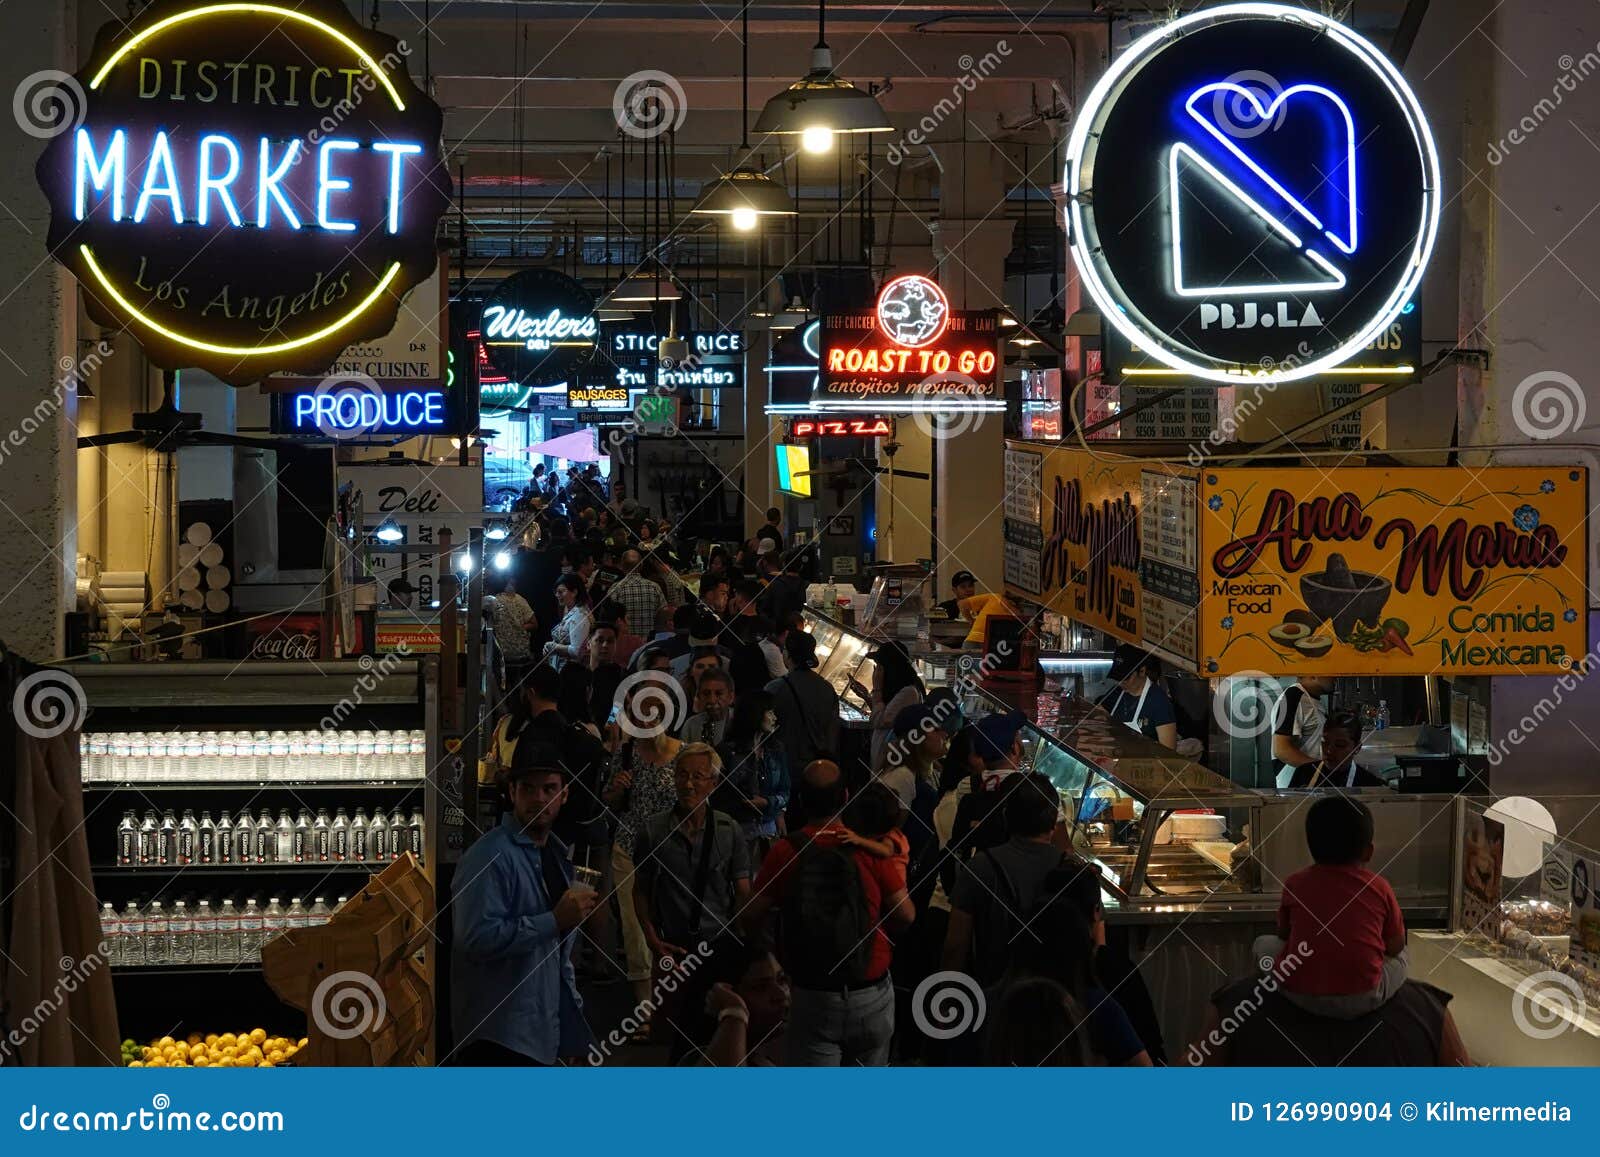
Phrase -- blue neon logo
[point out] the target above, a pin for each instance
(355, 410)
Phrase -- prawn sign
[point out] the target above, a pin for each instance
(1368, 570)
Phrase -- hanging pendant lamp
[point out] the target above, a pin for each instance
(747, 194)
(821, 104)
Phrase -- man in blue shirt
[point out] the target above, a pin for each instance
(514, 998)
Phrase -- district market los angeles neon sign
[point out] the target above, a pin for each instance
(1236, 228)
(252, 187)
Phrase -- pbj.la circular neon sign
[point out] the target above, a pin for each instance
(1254, 194)
(251, 186)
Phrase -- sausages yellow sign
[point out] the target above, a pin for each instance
(1393, 571)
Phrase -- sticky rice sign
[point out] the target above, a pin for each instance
(252, 187)
(1393, 571)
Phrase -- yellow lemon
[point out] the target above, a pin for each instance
(258, 1035)
(266, 1065)
(181, 1048)
(158, 1063)
(166, 1042)
(201, 1063)
(302, 1042)
(275, 1056)
(226, 1039)
(211, 1039)
(136, 1064)
(193, 1038)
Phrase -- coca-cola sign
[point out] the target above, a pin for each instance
(290, 639)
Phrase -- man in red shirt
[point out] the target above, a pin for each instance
(835, 903)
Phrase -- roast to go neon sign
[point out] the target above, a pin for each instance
(873, 360)
(251, 187)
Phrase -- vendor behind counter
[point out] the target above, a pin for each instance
(1138, 701)
(1337, 766)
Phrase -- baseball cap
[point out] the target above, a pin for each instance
(1125, 661)
(963, 576)
(766, 546)
(996, 733)
(945, 705)
(802, 649)
(917, 717)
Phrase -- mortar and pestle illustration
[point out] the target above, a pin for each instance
(1345, 596)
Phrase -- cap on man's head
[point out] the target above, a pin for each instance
(916, 718)
(963, 576)
(705, 631)
(801, 648)
(531, 758)
(1126, 660)
(996, 734)
(766, 546)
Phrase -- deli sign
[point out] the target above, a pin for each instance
(252, 187)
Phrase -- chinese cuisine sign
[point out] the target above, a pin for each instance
(911, 351)
(252, 187)
(1393, 571)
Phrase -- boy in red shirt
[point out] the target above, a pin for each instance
(1341, 944)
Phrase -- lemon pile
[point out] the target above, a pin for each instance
(242, 1050)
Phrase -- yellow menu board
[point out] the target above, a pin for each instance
(1111, 541)
(1371, 570)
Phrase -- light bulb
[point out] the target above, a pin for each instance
(817, 139)
(464, 564)
(502, 560)
(744, 219)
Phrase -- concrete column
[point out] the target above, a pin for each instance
(38, 357)
(971, 241)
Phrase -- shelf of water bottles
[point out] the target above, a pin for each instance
(209, 932)
(253, 757)
(171, 840)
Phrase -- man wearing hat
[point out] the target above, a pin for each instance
(965, 585)
(997, 741)
(1138, 702)
(514, 996)
(918, 740)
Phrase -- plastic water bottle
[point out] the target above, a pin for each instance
(382, 756)
(188, 836)
(339, 835)
(205, 934)
(349, 745)
(417, 764)
(225, 838)
(210, 766)
(149, 840)
(277, 756)
(366, 748)
(274, 921)
(399, 835)
(180, 935)
(251, 927)
(285, 839)
(266, 839)
(320, 913)
(414, 830)
(167, 840)
(138, 760)
(244, 836)
(227, 755)
(358, 836)
(111, 934)
(156, 947)
(133, 940)
(321, 845)
(127, 841)
(298, 916)
(377, 838)
(226, 939)
(205, 848)
(94, 767)
(302, 837)
(1381, 721)
(158, 760)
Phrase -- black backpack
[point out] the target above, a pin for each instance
(825, 927)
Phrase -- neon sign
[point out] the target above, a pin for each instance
(211, 203)
(538, 327)
(911, 352)
(1293, 223)
(841, 428)
(705, 344)
(409, 412)
(597, 398)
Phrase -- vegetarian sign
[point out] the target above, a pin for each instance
(1392, 571)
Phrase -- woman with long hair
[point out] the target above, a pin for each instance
(755, 770)
(568, 636)
(895, 686)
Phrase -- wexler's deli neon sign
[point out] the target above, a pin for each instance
(252, 188)
(1236, 228)
(911, 351)
(539, 326)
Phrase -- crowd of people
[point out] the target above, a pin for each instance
(684, 812)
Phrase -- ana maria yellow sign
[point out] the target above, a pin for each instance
(1369, 570)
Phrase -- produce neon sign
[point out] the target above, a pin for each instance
(359, 410)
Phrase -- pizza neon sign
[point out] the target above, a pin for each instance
(841, 428)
